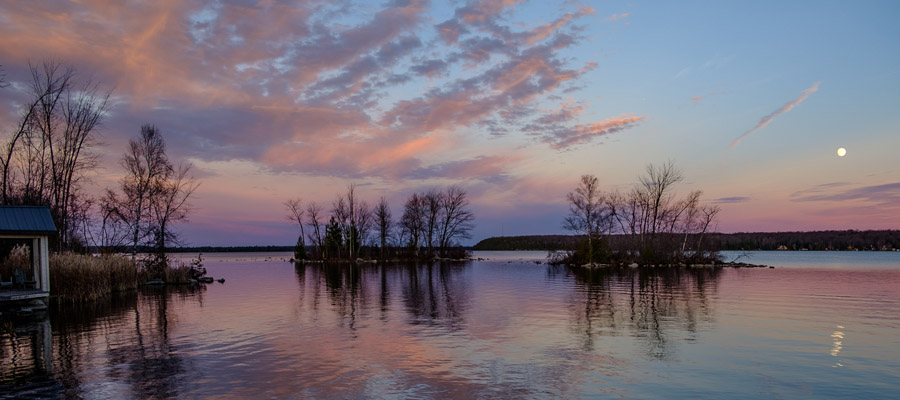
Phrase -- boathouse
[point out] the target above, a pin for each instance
(31, 226)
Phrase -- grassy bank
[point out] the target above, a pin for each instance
(78, 278)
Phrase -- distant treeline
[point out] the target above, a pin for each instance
(817, 240)
(231, 249)
(532, 242)
(214, 249)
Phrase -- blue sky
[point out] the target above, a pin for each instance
(512, 100)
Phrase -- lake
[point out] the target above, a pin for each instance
(820, 324)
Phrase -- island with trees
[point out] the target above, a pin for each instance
(655, 226)
(431, 226)
(833, 240)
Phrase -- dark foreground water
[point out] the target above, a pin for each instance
(503, 328)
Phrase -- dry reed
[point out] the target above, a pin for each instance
(19, 258)
(77, 278)
(180, 274)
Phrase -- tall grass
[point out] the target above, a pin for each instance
(19, 258)
(77, 278)
(179, 274)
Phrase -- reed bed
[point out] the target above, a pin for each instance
(19, 258)
(179, 274)
(78, 278)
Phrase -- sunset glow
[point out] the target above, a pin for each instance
(511, 100)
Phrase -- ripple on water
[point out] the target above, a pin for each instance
(496, 329)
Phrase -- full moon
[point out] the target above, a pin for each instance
(841, 152)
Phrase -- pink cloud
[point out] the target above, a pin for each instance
(587, 132)
(617, 17)
(541, 33)
(484, 168)
(278, 84)
(483, 10)
(781, 110)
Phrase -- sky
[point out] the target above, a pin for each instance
(511, 100)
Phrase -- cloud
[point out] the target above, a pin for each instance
(696, 99)
(285, 86)
(729, 200)
(560, 137)
(781, 110)
(483, 11)
(884, 195)
(542, 32)
(819, 188)
(616, 17)
(485, 168)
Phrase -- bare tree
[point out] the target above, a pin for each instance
(354, 218)
(355, 228)
(295, 214)
(413, 221)
(340, 215)
(358, 220)
(146, 166)
(698, 219)
(51, 145)
(433, 199)
(456, 217)
(82, 112)
(585, 211)
(350, 235)
(383, 222)
(169, 205)
(707, 219)
(314, 220)
(154, 196)
(25, 128)
(657, 185)
(364, 219)
(656, 225)
(691, 217)
(110, 232)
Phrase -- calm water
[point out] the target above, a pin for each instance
(824, 325)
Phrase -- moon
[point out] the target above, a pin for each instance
(842, 152)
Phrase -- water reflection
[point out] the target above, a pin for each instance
(26, 357)
(430, 293)
(462, 330)
(837, 338)
(135, 358)
(658, 306)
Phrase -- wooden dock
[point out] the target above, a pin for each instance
(22, 294)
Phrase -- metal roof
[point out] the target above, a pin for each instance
(26, 220)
